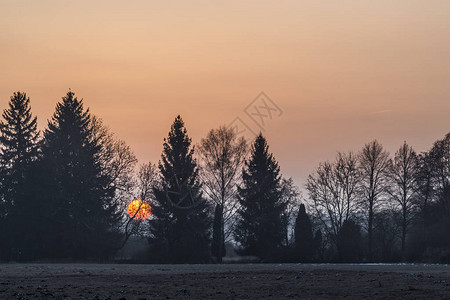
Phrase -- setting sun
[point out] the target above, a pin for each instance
(139, 209)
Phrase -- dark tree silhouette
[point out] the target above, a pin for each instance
(259, 228)
(218, 240)
(222, 154)
(333, 189)
(349, 242)
(290, 195)
(318, 245)
(386, 231)
(80, 210)
(374, 165)
(180, 227)
(117, 162)
(65, 196)
(18, 154)
(304, 240)
(404, 186)
(424, 180)
(440, 154)
(434, 239)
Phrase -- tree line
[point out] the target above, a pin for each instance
(377, 207)
(64, 193)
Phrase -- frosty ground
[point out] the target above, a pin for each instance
(227, 281)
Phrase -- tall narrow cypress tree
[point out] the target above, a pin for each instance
(304, 240)
(259, 229)
(80, 212)
(18, 151)
(180, 226)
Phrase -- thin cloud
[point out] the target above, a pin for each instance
(385, 111)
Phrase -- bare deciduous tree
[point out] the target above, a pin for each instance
(117, 159)
(374, 166)
(118, 163)
(403, 174)
(440, 154)
(146, 179)
(424, 179)
(291, 196)
(222, 154)
(333, 190)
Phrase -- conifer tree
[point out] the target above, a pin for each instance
(304, 240)
(19, 137)
(259, 228)
(18, 151)
(79, 209)
(180, 226)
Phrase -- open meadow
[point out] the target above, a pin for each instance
(226, 281)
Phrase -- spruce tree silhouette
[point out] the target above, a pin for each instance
(259, 229)
(18, 152)
(79, 202)
(180, 226)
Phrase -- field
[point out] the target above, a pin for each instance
(229, 281)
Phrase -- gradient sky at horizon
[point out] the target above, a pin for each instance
(343, 72)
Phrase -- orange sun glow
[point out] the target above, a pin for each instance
(139, 209)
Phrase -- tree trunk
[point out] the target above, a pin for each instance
(370, 229)
(221, 236)
(404, 235)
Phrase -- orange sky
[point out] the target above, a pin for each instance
(343, 72)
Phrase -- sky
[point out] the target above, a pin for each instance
(338, 73)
